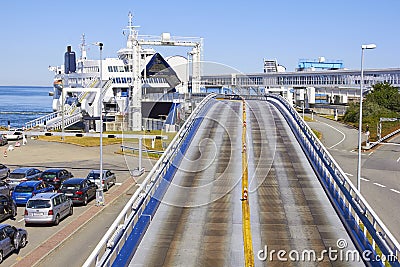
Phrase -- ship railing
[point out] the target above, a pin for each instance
(366, 229)
(56, 123)
(131, 224)
(160, 97)
(41, 121)
(82, 96)
(106, 86)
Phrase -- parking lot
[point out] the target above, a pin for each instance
(44, 242)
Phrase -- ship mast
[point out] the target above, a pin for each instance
(135, 103)
(83, 48)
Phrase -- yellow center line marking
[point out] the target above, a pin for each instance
(247, 240)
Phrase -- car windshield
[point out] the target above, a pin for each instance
(94, 175)
(70, 186)
(38, 204)
(23, 189)
(49, 175)
(17, 175)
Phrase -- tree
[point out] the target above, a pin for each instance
(383, 101)
(385, 95)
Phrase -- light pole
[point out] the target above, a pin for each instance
(99, 195)
(363, 47)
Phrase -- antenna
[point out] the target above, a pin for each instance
(83, 47)
(131, 28)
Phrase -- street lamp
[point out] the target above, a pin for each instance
(99, 195)
(363, 47)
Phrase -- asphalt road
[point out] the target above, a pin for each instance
(199, 222)
(380, 176)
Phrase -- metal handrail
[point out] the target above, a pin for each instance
(349, 203)
(116, 236)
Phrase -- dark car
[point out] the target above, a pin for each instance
(4, 171)
(8, 207)
(79, 190)
(24, 191)
(5, 188)
(3, 140)
(55, 177)
(20, 175)
(108, 178)
(11, 239)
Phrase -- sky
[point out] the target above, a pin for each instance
(239, 34)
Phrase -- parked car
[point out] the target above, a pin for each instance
(3, 140)
(8, 207)
(47, 208)
(108, 178)
(22, 175)
(5, 188)
(11, 239)
(79, 190)
(55, 177)
(25, 190)
(4, 171)
(15, 135)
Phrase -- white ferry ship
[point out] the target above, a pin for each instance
(137, 90)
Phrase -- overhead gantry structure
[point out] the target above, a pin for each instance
(135, 44)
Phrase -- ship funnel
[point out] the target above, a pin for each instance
(69, 60)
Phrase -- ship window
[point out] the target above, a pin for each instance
(121, 68)
(126, 68)
(118, 80)
(113, 80)
(110, 69)
(129, 80)
(123, 80)
(115, 68)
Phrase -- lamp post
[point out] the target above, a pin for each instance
(99, 195)
(363, 47)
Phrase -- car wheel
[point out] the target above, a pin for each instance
(1, 256)
(57, 220)
(85, 200)
(71, 210)
(14, 213)
(22, 243)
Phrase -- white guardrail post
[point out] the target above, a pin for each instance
(112, 242)
(371, 233)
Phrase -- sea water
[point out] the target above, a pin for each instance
(20, 104)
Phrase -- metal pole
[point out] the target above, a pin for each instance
(360, 124)
(100, 196)
(62, 114)
(140, 154)
(101, 116)
(363, 47)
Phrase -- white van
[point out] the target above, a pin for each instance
(47, 208)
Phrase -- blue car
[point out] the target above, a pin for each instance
(25, 190)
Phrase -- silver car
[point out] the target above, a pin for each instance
(47, 208)
(11, 239)
(4, 171)
(108, 178)
(20, 175)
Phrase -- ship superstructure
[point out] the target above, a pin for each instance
(131, 91)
